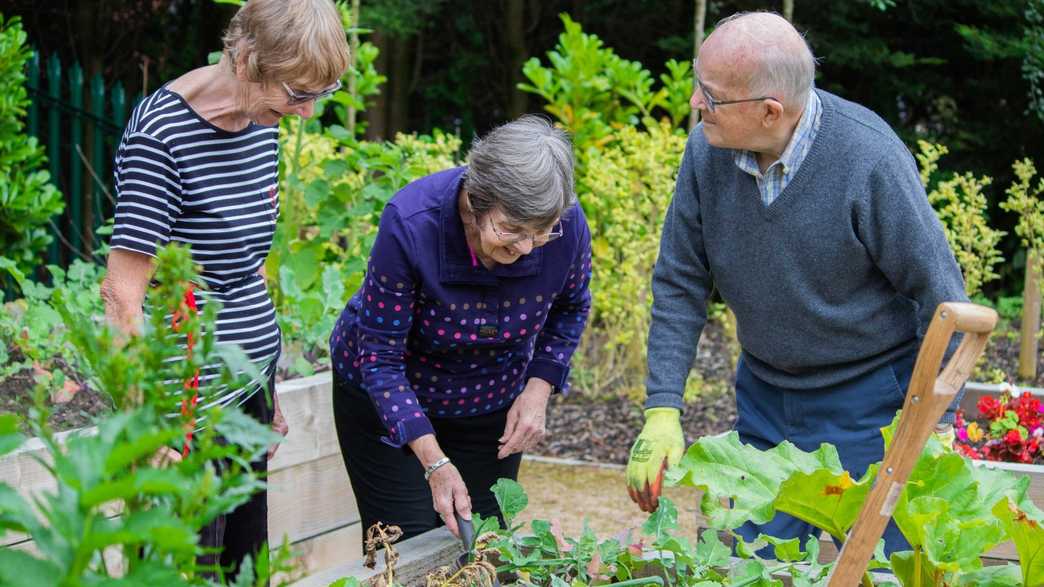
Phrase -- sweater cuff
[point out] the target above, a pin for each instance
(665, 400)
(555, 374)
(407, 431)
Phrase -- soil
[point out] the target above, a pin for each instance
(17, 396)
(581, 425)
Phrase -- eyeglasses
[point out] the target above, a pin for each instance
(712, 103)
(296, 97)
(539, 240)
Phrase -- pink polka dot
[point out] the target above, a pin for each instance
(522, 332)
(474, 337)
(441, 332)
(380, 304)
(445, 402)
(478, 399)
(507, 335)
(461, 402)
(416, 414)
(489, 395)
(456, 335)
(369, 298)
(373, 358)
(398, 308)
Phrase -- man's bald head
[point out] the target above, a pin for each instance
(764, 54)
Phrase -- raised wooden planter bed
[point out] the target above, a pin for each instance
(310, 499)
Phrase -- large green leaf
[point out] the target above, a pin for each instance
(993, 576)
(19, 569)
(825, 499)
(511, 498)
(10, 438)
(906, 568)
(1028, 535)
(946, 509)
(732, 472)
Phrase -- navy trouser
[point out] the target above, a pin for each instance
(848, 415)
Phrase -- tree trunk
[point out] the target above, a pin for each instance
(377, 114)
(515, 39)
(788, 10)
(400, 76)
(1030, 319)
(352, 60)
(698, 24)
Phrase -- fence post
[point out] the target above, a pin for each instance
(97, 157)
(119, 106)
(76, 164)
(54, 90)
(34, 83)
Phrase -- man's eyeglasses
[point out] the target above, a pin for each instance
(712, 103)
(297, 97)
(539, 240)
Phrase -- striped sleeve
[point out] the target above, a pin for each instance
(148, 194)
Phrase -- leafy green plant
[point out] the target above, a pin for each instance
(593, 92)
(625, 191)
(961, 204)
(33, 335)
(28, 200)
(113, 497)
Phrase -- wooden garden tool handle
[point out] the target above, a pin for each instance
(927, 398)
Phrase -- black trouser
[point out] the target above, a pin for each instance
(243, 530)
(389, 483)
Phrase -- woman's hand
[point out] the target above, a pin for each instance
(449, 494)
(279, 424)
(525, 419)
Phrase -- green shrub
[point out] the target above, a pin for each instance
(593, 92)
(333, 192)
(625, 191)
(27, 198)
(1025, 200)
(961, 205)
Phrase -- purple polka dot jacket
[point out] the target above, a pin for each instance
(430, 334)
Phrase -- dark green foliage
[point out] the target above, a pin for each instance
(27, 198)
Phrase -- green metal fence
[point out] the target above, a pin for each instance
(80, 122)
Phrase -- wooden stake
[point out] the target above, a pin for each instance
(1030, 319)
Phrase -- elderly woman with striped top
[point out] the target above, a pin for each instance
(474, 301)
(198, 165)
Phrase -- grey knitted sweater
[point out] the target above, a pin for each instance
(838, 276)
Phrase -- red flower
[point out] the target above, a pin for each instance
(1013, 438)
(990, 407)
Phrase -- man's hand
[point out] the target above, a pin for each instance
(659, 446)
(525, 419)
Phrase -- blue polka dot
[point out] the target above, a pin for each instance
(396, 322)
(380, 320)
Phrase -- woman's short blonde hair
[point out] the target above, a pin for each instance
(299, 42)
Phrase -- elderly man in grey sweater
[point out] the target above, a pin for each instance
(807, 213)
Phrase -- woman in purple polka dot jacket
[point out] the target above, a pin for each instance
(474, 300)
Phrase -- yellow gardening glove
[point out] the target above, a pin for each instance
(945, 434)
(659, 446)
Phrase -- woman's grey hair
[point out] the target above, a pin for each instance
(525, 168)
(785, 68)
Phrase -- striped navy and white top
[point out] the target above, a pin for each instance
(181, 179)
